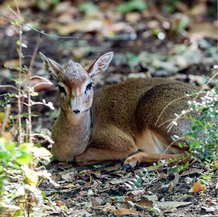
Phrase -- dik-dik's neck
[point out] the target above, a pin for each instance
(71, 134)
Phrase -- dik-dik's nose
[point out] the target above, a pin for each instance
(76, 111)
(76, 105)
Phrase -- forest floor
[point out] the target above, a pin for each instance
(146, 44)
(107, 190)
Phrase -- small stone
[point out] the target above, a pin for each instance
(97, 201)
(133, 17)
(210, 209)
(188, 180)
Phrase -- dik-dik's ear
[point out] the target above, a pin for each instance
(100, 64)
(51, 66)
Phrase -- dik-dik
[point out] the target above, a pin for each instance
(127, 121)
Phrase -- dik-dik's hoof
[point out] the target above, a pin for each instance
(130, 163)
(127, 167)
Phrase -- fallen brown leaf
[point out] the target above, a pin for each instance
(135, 193)
(198, 187)
(11, 63)
(70, 185)
(145, 203)
(204, 29)
(60, 203)
(125, 211)
(7, 136)
(82, 26)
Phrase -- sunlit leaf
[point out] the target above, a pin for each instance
(215, 164)
(7, 136)
(24, 159)
(198, 187)
(41, 152)
(32, 177)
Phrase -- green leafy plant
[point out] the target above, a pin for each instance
(202, 136)
(19, 195)
(133, 61)
(12, 157)
(133, 5)
(19, 172)
(140, 178)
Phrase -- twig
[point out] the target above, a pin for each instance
(8, 17)
(9, 86)
(166, 108)
(174, 182)
(42, 32)
(19, 75)
(29, 91)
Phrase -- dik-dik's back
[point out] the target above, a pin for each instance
(127, 121)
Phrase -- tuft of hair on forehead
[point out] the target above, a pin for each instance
(73, 71)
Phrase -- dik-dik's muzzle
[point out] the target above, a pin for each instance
(76, 105)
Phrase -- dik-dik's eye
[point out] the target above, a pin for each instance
(88, 87)
(62, 89)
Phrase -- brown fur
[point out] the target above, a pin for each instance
(124, 117)
(127, 121)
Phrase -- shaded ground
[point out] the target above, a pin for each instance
(105, 190)
(146, 43)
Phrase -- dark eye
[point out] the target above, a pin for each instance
(89, 87)
(62, 89)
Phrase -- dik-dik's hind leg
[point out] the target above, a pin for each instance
(112, 144)
(143, 157)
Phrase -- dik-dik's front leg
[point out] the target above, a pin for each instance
(116, 147)
(94, 155)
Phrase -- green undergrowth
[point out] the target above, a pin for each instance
(19, 177)
(203, 134)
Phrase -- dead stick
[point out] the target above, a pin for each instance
(29, 91)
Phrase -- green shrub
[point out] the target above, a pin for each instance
(203, 135)
(19, 195)
(11, 158)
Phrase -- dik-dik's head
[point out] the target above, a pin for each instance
(75, 82)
